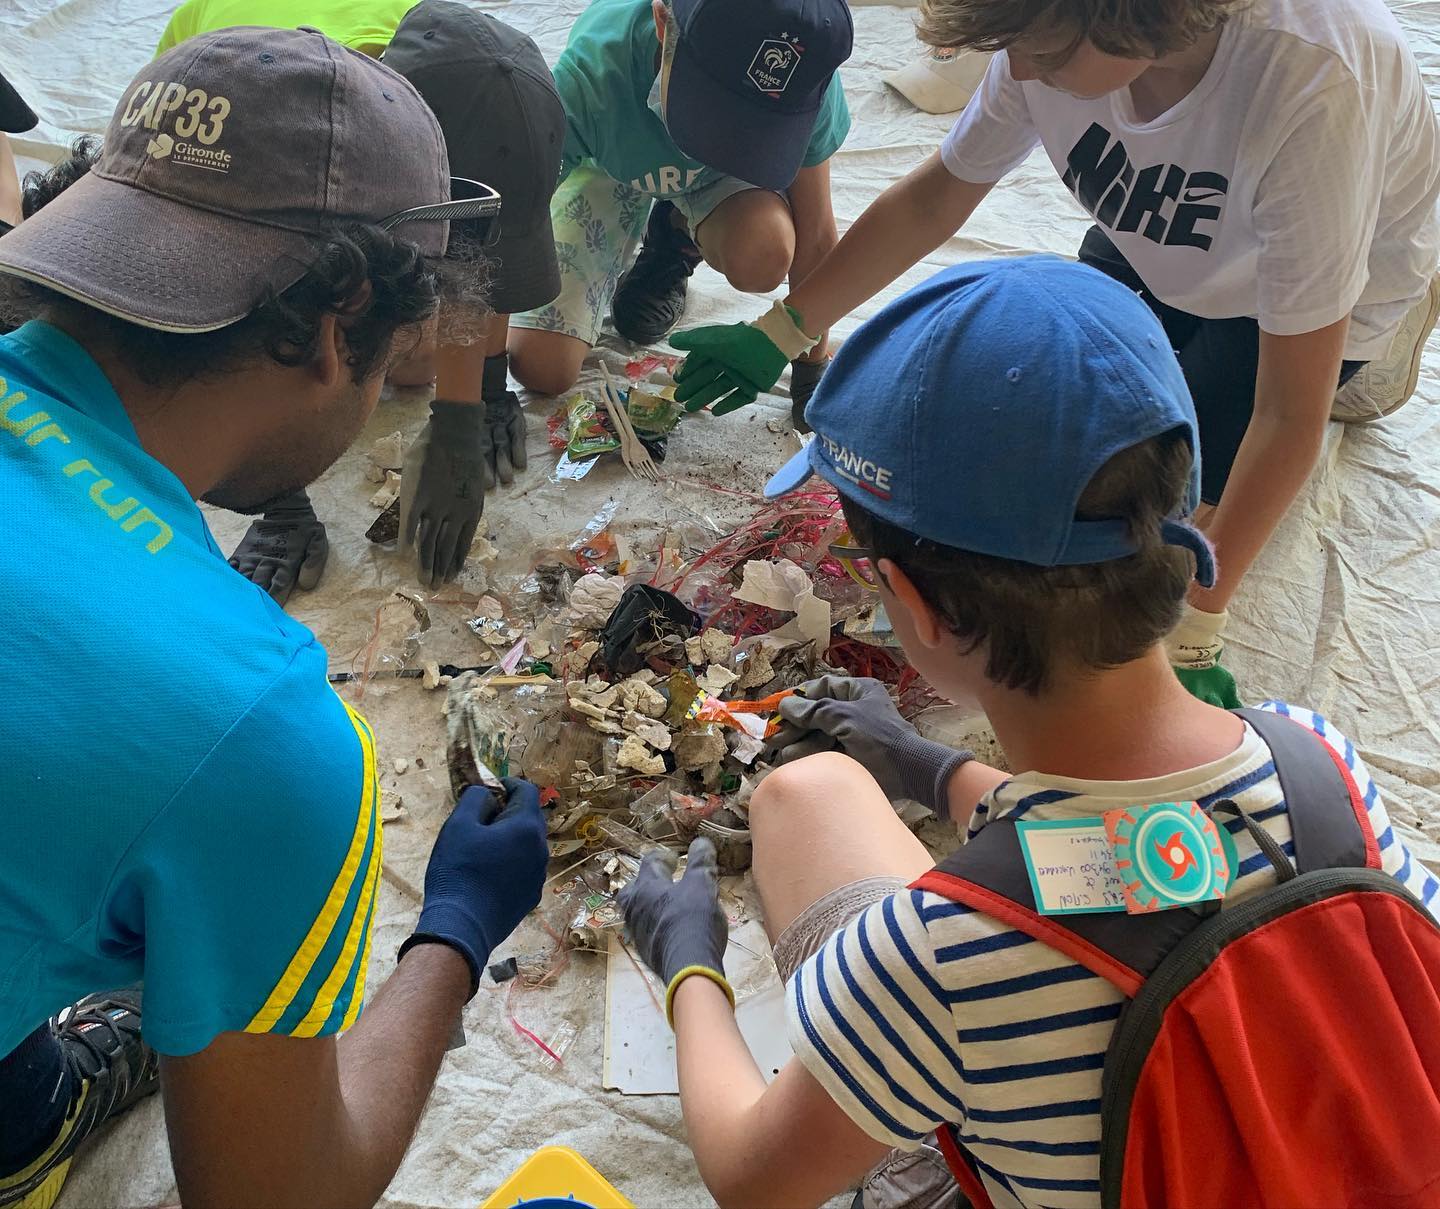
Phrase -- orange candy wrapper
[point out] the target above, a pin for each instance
(757, 719)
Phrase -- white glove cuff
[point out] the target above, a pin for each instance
(784, 333)
(1197, 641)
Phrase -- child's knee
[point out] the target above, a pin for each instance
(791, 795)
(545, 366)
(762, 264)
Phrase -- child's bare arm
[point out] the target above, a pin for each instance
(747, 1136)
(1293, 395)
(903, 225)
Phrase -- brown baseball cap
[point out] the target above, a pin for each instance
(226, 162)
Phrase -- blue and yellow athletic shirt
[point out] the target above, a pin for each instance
(183, 799)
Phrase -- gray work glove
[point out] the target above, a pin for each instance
(286, 548)
(506, 431)
(678, 927)
(442, 489)
(856, 715)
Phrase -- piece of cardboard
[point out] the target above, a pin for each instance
(639, 1057)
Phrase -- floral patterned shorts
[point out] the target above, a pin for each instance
(598, 224)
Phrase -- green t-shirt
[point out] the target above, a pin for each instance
(363, 25)
(605, 76)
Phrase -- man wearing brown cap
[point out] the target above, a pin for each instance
(187, 804)
(504, 124)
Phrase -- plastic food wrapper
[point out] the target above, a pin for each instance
(653, 413)
(644, 366)
(595, 547)
(588, 434)
(588, 899)
(490, 730)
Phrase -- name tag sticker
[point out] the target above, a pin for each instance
(1071, 866)
(1170, 854)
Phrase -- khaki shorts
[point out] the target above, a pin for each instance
(598, 224)
(826, 916)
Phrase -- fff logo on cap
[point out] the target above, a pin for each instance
(774, 63)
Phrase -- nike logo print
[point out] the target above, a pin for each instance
(1203, 195)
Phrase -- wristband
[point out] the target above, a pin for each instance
(713, 975)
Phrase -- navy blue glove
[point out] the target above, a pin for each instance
(485, 874)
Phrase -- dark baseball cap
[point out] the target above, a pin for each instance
(16, 117)
(748, 80)
(504, 124)
(226, 162)
(975, 409)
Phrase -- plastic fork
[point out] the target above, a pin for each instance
(633, 453)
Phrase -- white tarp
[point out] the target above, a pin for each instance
(1340, 614)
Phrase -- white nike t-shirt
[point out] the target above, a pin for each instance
(1296, 183)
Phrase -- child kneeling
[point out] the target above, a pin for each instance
(1021, 503)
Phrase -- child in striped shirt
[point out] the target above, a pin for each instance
(1022, 505)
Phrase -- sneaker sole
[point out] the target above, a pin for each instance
(46, 1193)
(1412, 378)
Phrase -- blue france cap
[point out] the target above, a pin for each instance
(975, 409)
(748, 81)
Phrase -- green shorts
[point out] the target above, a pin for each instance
(598, 224)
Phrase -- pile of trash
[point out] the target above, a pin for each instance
(647, 726)
(636, 688)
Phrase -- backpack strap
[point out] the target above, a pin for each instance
(988, 874)
(1328, 818)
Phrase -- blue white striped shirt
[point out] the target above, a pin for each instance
(922, 1011)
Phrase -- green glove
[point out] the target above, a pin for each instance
(1212, 685)
(678, 927)
(1194, 648)
(730, 364)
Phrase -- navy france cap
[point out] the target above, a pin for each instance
(748, 80)
(975, 409)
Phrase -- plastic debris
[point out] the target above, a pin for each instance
(644, 618)
(385, 528)
(709, 646)
(648, 730)
(577, 662)
(786, 587)
(639, 696)
(388, 492)
(716, 679)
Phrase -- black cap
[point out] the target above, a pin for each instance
(16, 117)
(504, 125)
(748, 81)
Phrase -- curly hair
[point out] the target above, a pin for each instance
(404, 290)
(1131, 29)
(41, 188)
(1036, 623)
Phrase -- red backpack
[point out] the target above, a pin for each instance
(1295, 1037)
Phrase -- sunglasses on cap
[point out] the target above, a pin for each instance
(470, 201)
